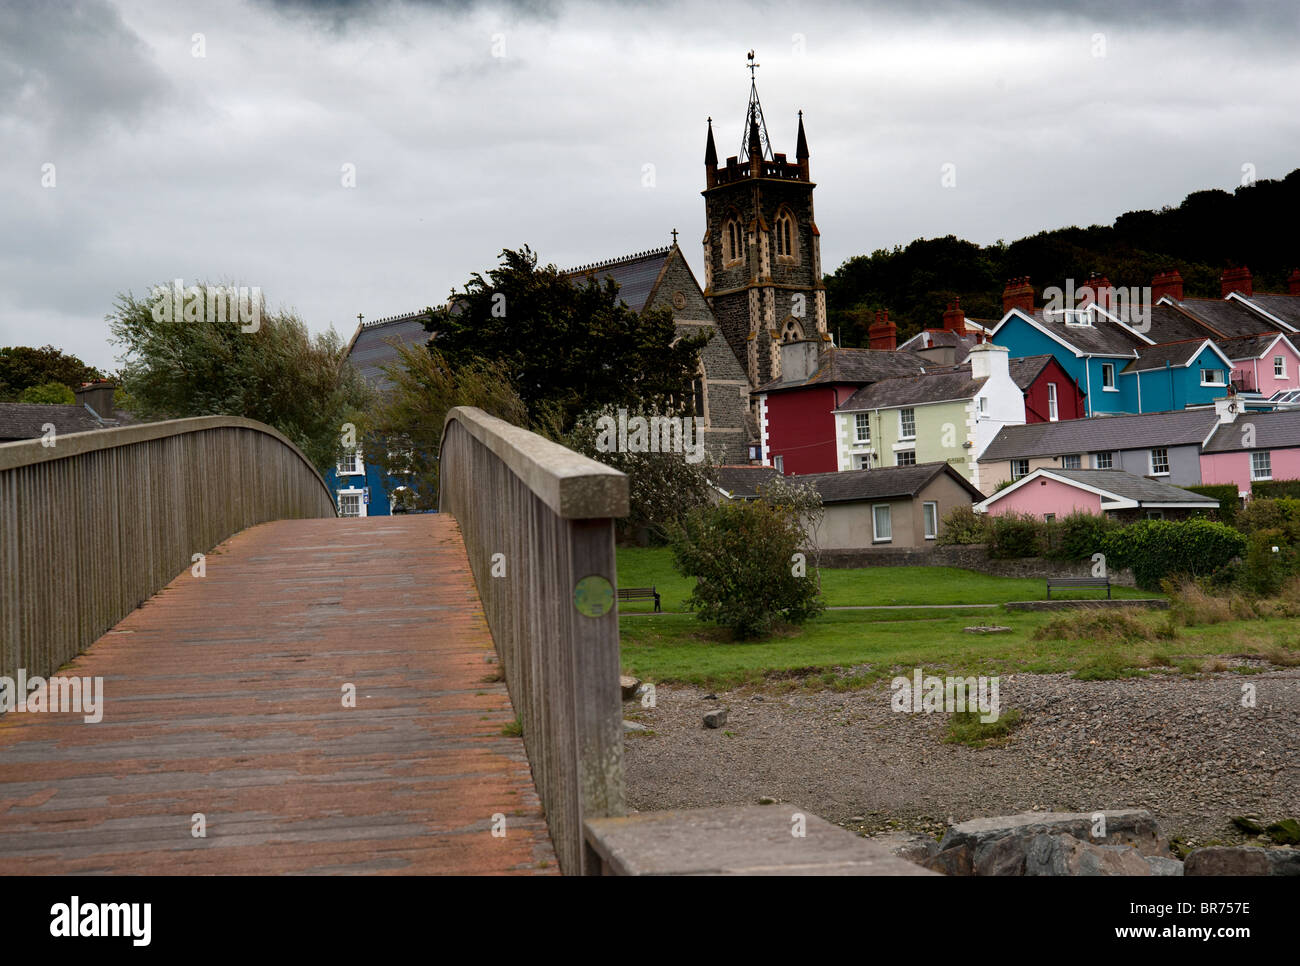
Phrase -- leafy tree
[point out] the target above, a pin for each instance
(22, 368)
(404, 433)
(569, 349)
(742, 556)
(204, 365)
(52, 393)
(787, 495)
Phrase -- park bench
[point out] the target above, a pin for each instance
(1098, 582)
(639, 593)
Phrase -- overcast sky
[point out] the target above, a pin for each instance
(474, 127)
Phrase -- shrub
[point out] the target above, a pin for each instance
(1158, 549)
(962, 525)
(1122, 625)
(1014, 535)
(1190, 605)
(742, 556)
(1272, 489)
(1226, 494)
(1079, 535)
(1267, 563)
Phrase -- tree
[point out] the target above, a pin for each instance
(569, 349)
(22, 368)
(743, 556)
(787, 495)
(199, 363)
(52, 393)
(404, 434)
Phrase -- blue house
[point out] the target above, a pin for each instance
(362, 490)
(1119, 368)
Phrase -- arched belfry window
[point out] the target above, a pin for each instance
(787, 235)
(792, 332)
(733, 248)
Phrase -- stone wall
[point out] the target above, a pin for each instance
(970, 557)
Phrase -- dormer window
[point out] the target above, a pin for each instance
(1077, 317)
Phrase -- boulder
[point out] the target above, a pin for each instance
(1243, 860)
(1061, 854)
(1162, 866)
(715, 719)
(633, 726)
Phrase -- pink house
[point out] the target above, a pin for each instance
(1253, 446)
(1267, 364)
(1052, 494)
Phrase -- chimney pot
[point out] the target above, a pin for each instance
(1018, 294)
(1237, 280)
(1167, 283)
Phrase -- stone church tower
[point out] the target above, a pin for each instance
(762, 254)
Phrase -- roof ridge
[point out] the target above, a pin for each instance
(397, 318)
(607, 263)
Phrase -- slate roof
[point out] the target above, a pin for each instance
(883, 483)
(1228, 316)
(935, 385)
(1284, 307)
(1101, 433)
(25, 420)
(1246, 346)
(1127, 486)
(932, 338)
(1167, 324)
(860, 366)
(1273, 430)
(635, 275)
(372, 348)
(1103, 337)
(1026, 369)
(1175, 353)
(742, 482)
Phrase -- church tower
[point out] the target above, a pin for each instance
(762, 255)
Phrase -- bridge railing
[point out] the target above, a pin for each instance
(94, 524)
(538, 523)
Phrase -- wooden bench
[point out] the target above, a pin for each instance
(639, 593)
(1098, 582)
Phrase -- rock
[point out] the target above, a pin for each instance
(908, 845)
(759, 697)
(1248, 825)
(715, 719)
(857, 819)
(765, 800)
(1245, 860)
(986, 629)
(629, 686)
(633, 726)
(998, 846)
(1062, 854)
(1285, 832)
(710, 697)
(1163, 866)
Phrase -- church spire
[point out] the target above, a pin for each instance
(755, 146)
(710, 152)
(801, 149)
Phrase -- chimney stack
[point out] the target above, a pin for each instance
(954, 319)
(1293, 282)
(1018, 294)
(98, 396)
(883, 334)
(799, 359)
(1101, 292)
(1236, 280)
(1167, 283)
(987, 359)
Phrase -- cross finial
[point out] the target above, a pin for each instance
(359, 318)
(674, 236)
(751, 65)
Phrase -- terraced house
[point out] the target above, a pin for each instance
(947, 415)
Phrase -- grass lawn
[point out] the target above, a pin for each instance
(653, 567)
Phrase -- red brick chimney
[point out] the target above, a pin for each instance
(1099, 291)
(1236, 280)
(1018, 294)
(1167, 283)
(954, 319)
(1293, 282)
(882, 334)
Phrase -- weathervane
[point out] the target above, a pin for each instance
(751, 65)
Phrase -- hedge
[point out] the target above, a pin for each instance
(1159, 549)
(1273, 489)
(1226, 494)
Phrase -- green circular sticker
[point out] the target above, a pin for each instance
(593, 596)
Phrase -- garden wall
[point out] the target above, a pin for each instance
(968, 557)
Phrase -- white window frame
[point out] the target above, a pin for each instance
(1279, 367)
(898, 457)
(889, 523)
(1053, 411)
(1152, 457)
(930, 519)
(359, 492)
(1109, 454)
(902, 429)
(779, 463)
(1108, 367)
(1078, 461)
(984, 405)
(1218, 373)
(1267, 468)
(1019, 476)
(862, 421)
(863, 460)
(358, 464)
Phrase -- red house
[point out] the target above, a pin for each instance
(1050, 393)
(796, 421)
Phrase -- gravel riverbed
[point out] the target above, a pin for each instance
(1183, 747)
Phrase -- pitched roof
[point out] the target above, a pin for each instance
(373, 345)
(1116, 486)
(1272, 430)
(1026, 369)
(742, 482)
(635, 275)
(932, 338)
(1102, 337)
(27, 420)
(934, 385)
(1247, 346)
(1284, 307)
(1228, 316)
(1100, 433)
(1174, 353)
(854, 366)
(1168, 324)
(883, 483)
